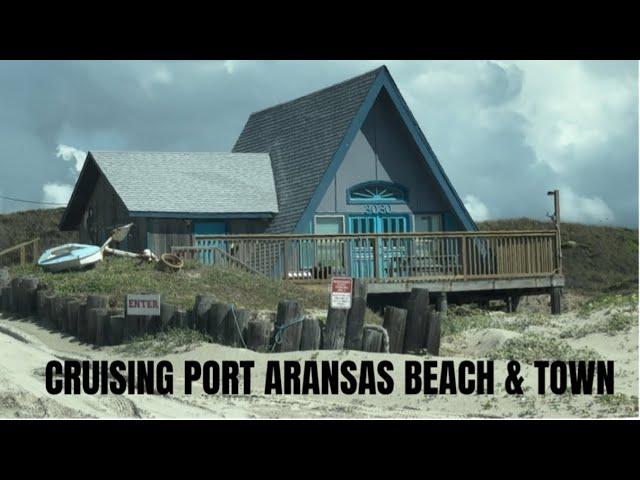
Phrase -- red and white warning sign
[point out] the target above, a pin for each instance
(341, 290)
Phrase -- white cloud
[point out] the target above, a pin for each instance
(71, 154)
(476, 208)
(230, 66)
(584, 209)
(56, 193)
(160, 75)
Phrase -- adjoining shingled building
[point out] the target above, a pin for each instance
(350, 158)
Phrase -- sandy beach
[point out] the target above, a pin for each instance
(27, 346)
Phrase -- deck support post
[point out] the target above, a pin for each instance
(556, 293)
(512, 303)
(443, 304)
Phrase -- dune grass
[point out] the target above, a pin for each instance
(117, 276)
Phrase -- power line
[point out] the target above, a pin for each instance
(30, 201)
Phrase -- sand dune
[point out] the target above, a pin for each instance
(26, 347)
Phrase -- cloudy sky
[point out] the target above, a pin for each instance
(506, 132)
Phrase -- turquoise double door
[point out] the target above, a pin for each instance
(392, 252)
(206, 255)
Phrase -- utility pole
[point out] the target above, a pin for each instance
(556, 221)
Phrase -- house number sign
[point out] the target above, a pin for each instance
(377, 209)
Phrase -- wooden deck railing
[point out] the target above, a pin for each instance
(389, 257)
(21, 249)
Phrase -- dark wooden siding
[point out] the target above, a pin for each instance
(103, 212)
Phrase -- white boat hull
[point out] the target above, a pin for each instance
(70, 257)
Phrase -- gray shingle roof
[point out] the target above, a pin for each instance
(191, 182)
(302, 136)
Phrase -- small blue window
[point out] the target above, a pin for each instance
(377, 192)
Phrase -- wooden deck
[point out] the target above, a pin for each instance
(444, 262)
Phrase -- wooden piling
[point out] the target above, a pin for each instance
(15, 288)
(443, 304)
(395, 320)
(58, 312)
(556, 304)
(371, 340)
(150, 324)
(355, 317)
(201, 312)
(115, 334)
(180, 319)
(47, 313)
(131, 327)
(311, 336)
(335, 329)
(97, 301)
(167, 311)
(415, 326)
(93, 314)
(235, 327)
(512, 302)
(6, 299)
(73, 309)
(258, 334)
(433, 335)
(289, 313)
(82, 323)
(216, 320)
(102, 316)
(29, 287)
(41, 294)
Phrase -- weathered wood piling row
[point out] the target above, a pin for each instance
(394, 321)
(311, 337)
(415, 326)
(335, 329)
(371, 340)
(94, 321)
(288, 316)
(258, 334)
(355, 317)
(235, 327)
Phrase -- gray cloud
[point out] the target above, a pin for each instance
(505, 132)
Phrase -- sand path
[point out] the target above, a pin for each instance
(26, 347)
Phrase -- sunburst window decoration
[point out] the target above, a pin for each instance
(377, 192)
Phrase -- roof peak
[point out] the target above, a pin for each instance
(315, 92)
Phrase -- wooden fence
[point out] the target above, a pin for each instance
(18, 253)
(387, 257)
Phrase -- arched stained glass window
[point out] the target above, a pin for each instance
(377, 192)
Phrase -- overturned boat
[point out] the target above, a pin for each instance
(70, 256)
(76, 256)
